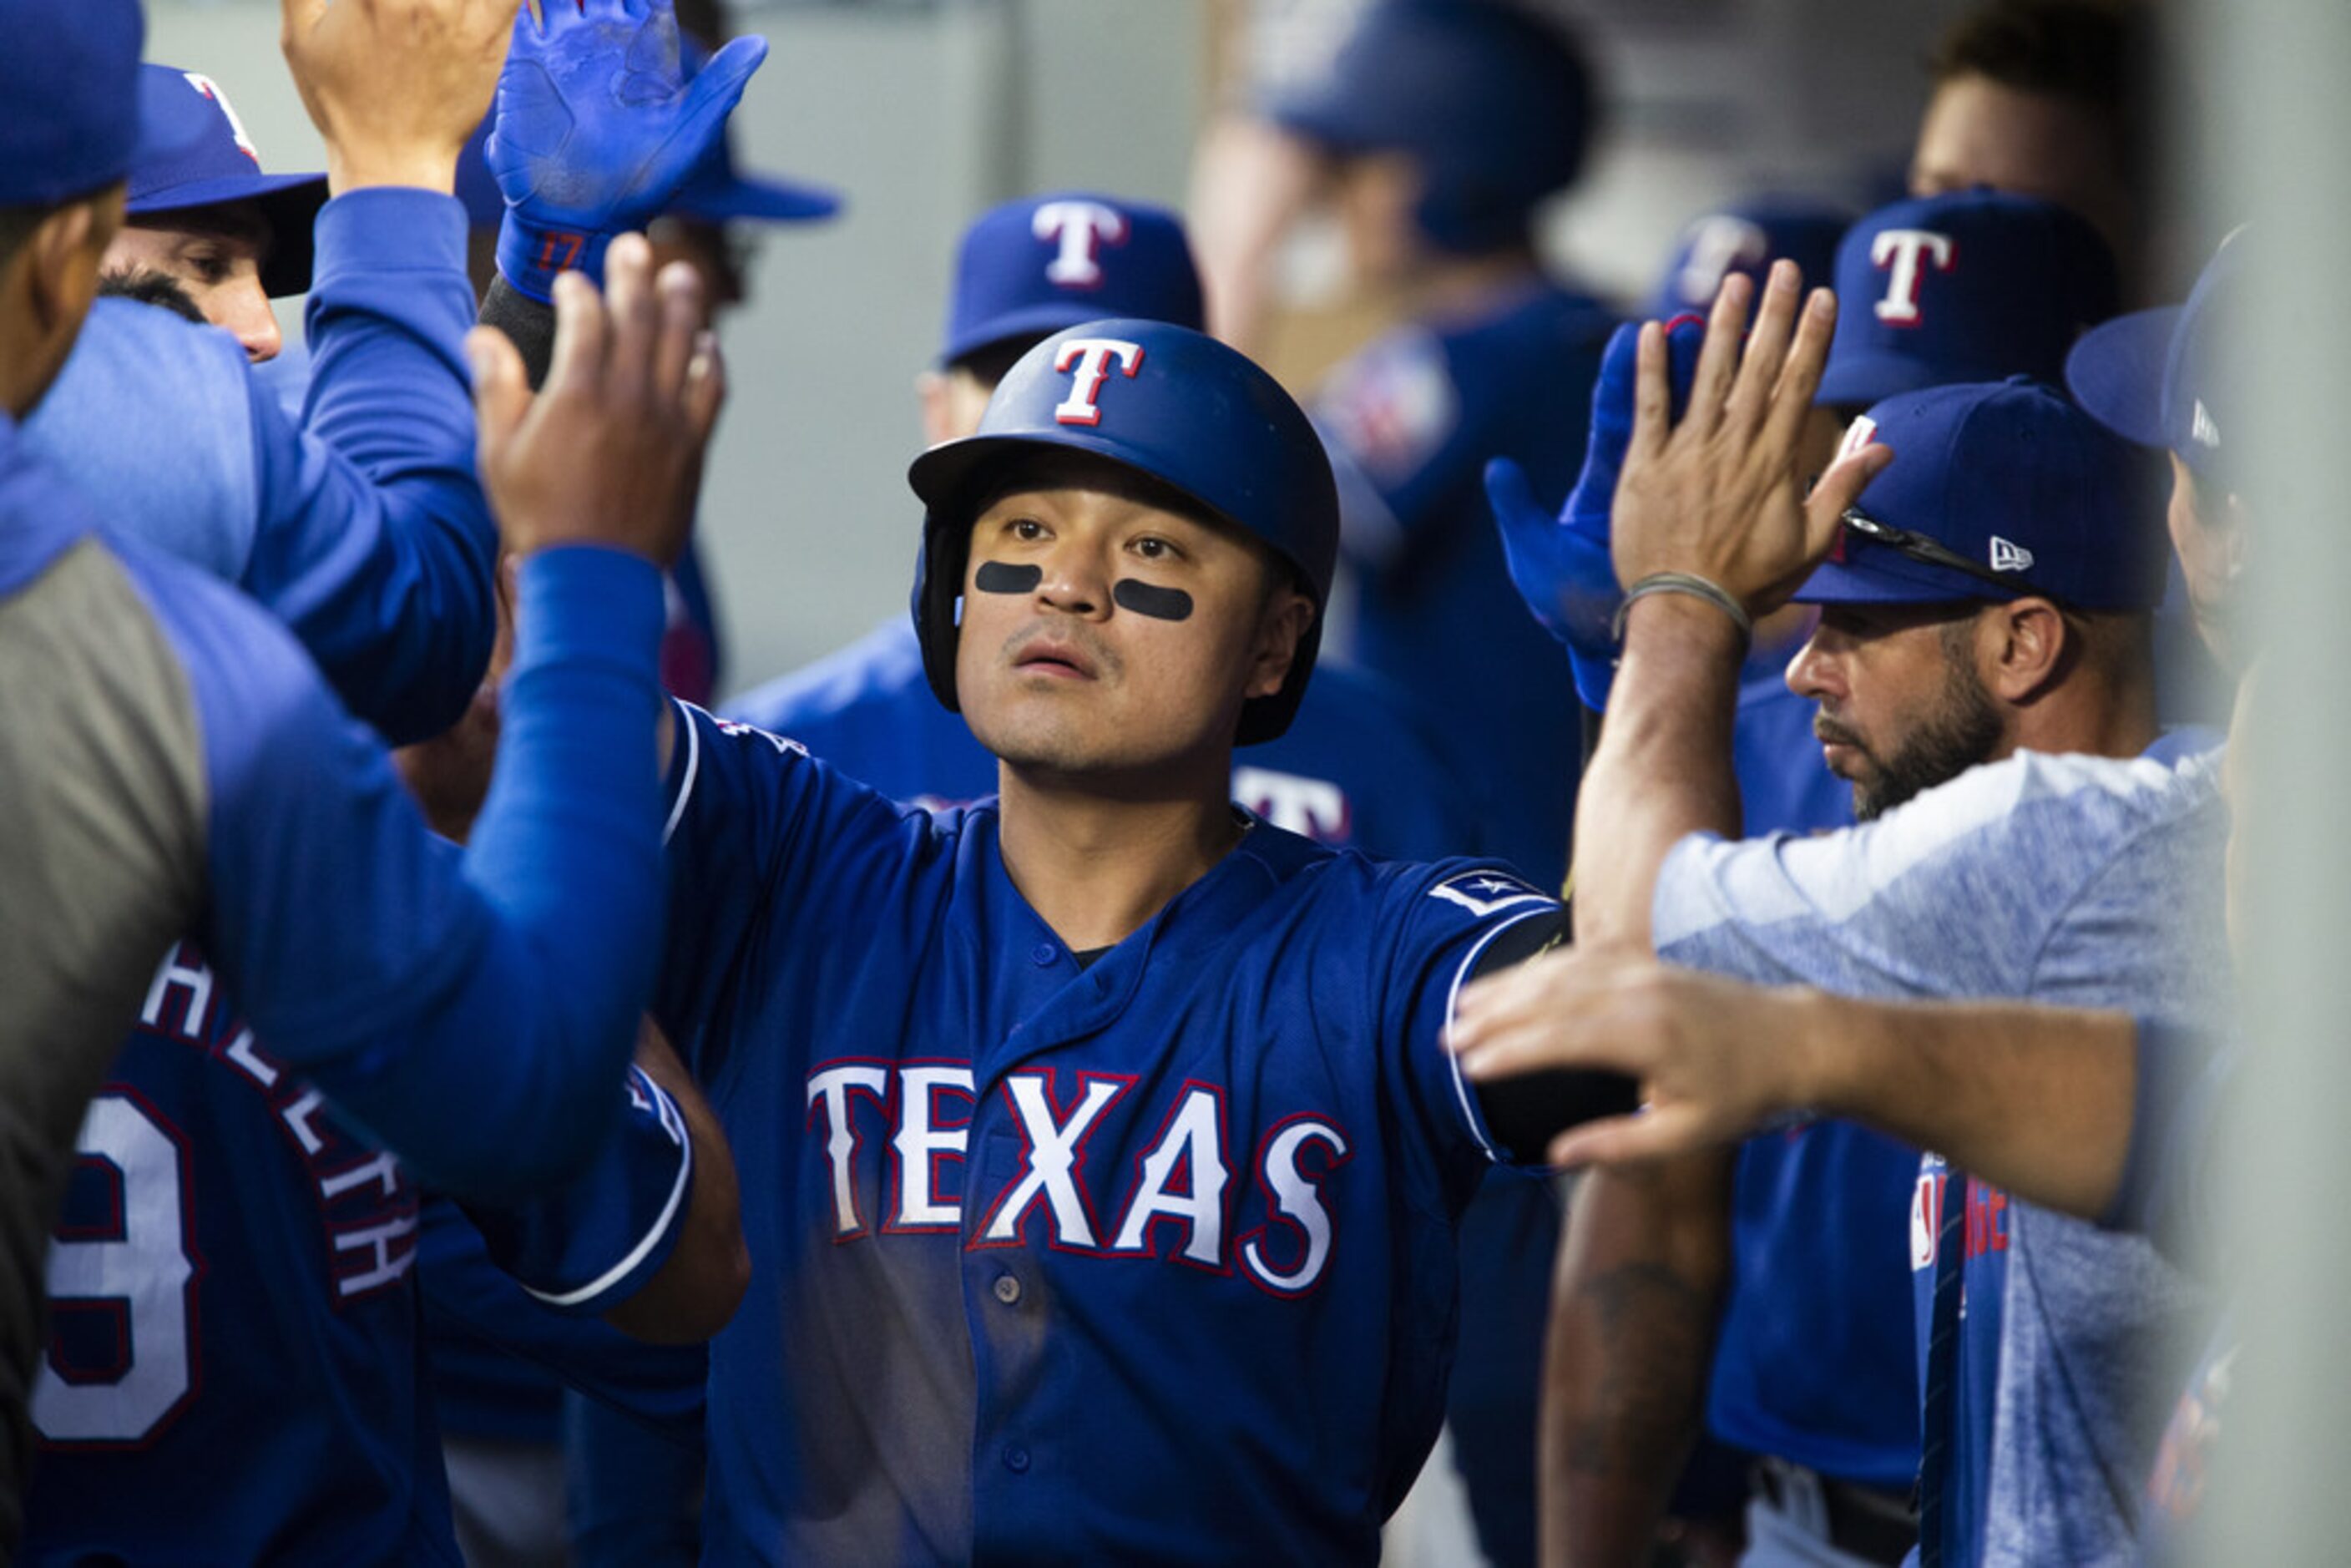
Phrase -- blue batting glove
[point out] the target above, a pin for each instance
(1561, 566)
(599, 119)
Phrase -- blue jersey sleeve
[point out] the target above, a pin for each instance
(1457, 921)
(373, 541)
(597, 1242)
(471, 1012)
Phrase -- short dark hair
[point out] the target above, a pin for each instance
(2098, 55)
(149, 287)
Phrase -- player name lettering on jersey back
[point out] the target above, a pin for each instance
(896, 1141)
(367, 1204)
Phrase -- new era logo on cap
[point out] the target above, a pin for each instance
(2009, 556)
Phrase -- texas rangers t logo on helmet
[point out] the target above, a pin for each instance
(1092, 357)
(1083, 228)
(1899, 251)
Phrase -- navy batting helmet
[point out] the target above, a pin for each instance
(1494, 104)
(1171, 404)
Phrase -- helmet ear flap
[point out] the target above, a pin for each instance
(938, 593)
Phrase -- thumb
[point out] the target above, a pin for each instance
(717, 87)
(1512, 495)
(501, 393)
(1838, 489)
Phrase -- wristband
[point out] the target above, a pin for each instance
(529, 259)
(1697, 588)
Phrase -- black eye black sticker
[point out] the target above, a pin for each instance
(1149, 599)
(1003, 576)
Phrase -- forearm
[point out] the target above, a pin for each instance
(529, 323)
(376, 545)
(703, 1280)
(1662, 769)
(1632, 1331)
(2039, 1100)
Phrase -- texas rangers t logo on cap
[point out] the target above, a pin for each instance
(1092, 357)
(1717, 243)
(1900, 250)
(211, 89)
(1082, 228)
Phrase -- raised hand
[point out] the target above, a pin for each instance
(1718, 494)
(600, 117)
(1561, 566)
(395, 87)
(610, 450)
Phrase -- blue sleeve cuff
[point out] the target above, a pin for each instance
(388, 228)
(599, 1241)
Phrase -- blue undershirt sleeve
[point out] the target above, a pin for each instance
(472, 1010)
(374, 543)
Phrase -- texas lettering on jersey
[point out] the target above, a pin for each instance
(896, 1139)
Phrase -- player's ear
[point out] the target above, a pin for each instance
(2032, 648)
(931, 392)
(1283, 624)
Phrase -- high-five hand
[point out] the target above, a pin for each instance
(610, 450)
(1720, 493)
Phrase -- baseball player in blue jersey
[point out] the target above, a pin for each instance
(1113, 1215)
(173, 764)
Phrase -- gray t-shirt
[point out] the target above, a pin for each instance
(2075, 880)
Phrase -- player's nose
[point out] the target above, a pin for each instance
(1812, 672)
(244, 310)
(1076, 581)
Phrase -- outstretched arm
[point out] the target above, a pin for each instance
(2039, 1100)
(369, 958)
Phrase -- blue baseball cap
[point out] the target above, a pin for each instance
(1968, 287)
(2166, 377)
(69, 77)
(210, 162)
(1996, 491)
(1029, 268)
(1746, 237)
(717, 191)
(1496, 103)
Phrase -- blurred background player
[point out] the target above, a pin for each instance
(2052, 98)
(1443, 128)
(204, 218)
